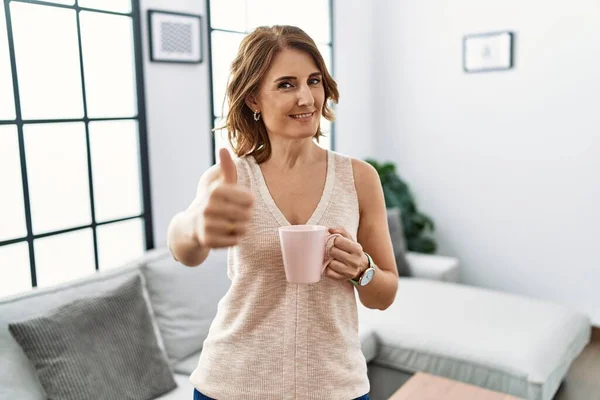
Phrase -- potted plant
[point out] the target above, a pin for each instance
(418, 227)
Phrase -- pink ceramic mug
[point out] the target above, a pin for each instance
(305, 250)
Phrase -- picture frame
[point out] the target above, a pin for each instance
(175, 37)
(486, 52)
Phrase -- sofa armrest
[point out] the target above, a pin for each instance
(434, 267)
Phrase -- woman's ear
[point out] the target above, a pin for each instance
(252, 103)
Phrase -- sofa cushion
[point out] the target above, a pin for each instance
(18, 379)
(185, 300)
(97, 347)
(184, 390)
(188, 364)
(500, 341)
(398, 243)
(368, 342)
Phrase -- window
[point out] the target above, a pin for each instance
(231, 20)
(73, 156)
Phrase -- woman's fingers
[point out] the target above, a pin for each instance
(231, 212)
(223, 227)
(333, 274)
(233, 193)
(341, 231)
(341, 270)
(217, 242)
(341, 255)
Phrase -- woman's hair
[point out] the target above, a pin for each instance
(255, 56)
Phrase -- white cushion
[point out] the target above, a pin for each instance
(187, 365)
(368, 342)
(184, 391)
(504, 342)
(185, 300)
(433, 266)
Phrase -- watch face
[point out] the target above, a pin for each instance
(367, 276)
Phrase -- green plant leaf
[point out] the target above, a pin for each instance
(429, 225)
(417, 225)
(422, 245)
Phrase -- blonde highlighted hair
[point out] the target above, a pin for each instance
(249, 68)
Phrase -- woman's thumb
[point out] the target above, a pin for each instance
(227, 166)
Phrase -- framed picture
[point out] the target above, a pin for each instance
(488, 52)
(174, 37)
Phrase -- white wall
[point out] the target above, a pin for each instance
(178, 107)
(507, 163)
(353, 71)
(178, 123)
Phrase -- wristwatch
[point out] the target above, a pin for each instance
(367, 275)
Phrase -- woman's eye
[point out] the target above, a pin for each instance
(314, 81)
(284, 85)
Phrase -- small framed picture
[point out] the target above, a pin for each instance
(174, 37)
(488, 52)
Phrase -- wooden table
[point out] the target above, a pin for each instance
(422, 386)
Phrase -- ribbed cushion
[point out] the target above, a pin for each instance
(100, 347)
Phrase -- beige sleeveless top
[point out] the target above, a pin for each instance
(275, 340)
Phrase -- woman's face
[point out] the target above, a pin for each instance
(291, 96)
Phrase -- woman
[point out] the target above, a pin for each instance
(271, 339)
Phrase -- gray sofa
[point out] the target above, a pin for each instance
(182, 302)
(508, 343)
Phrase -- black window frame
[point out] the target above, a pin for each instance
(140, 118)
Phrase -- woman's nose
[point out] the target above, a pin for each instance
(305, 97)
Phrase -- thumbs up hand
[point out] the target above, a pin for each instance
(225, 209)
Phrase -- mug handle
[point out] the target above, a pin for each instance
(329, 241)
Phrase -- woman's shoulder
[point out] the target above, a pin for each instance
(361, 169)
(365, 176)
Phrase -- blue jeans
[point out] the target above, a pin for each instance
(200, 396)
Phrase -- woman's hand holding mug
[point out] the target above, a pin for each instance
(348, 258)
(223, 213)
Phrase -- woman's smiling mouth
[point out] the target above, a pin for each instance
(302, 117)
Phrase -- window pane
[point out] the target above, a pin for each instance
(312, 16)
(115, 169)
(47, 58)
(223, 16)
(225, 46)
(120, 243)
(326, 53)
(15, 271)
(221, 139)
(58, 176)
(12, 214)
(109, 66)
(7, 101)
(61, 258)
(122, 6)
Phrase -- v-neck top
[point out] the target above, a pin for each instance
(276, 340)
(265, 194)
